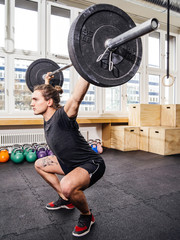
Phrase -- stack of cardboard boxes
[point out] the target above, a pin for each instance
(153, 128)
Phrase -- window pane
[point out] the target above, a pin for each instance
(154, 50)
(172, 53)
(166, 94)
(66, 86)
(169, 84)
(154, 89)
(113, 99)
(174, 91)
(88, 104)
(2, 84)
(26, 25)
(22, 95)
(2, 23)
(133, 90)
(60, 24)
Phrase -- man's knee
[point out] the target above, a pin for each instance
(66, 188)
(38, 164)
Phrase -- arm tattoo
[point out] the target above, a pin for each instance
(48, 162)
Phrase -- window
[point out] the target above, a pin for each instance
(2, 23)
(154, 89)
(22, 95)
(26, 25)
(133, 91)
(2, 84)
(154, 50)
(66, 86)
(40, 30)
(88, 103)
(174, 91)
(60, 24)
(113, 99)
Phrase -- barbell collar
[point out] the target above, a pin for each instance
(133, 33)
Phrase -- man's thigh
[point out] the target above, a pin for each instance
(49, 164)
(78, 178)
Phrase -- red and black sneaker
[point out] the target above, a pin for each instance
(84, 225)
(60, 203)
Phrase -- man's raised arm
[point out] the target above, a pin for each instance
(72, 105)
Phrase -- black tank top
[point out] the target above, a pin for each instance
(66, 142)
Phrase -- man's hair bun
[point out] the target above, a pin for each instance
(59, 89)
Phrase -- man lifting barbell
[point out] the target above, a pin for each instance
(73, 157)
(105, 49)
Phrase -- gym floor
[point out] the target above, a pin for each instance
(138, 198)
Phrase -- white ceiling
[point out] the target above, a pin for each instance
(142, 10)
(151, 9)
(174, 5)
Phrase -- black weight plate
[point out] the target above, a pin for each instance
(38, 68)
(86, 41)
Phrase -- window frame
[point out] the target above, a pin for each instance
(43, 51)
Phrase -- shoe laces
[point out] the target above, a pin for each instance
(84, 220)
(61, 201)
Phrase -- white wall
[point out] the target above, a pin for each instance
(94, 130)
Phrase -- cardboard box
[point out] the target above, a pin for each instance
(125, 138)
(144, 115)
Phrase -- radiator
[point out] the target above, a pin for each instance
(25, 136)
(10, 137)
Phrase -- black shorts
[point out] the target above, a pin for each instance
(95, 169)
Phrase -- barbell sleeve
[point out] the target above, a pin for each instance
(60, 69)
(132, 34)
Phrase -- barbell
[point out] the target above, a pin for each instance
(104, 47)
